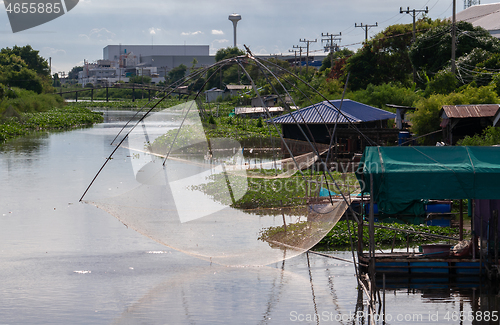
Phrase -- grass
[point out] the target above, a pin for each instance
(266, 193)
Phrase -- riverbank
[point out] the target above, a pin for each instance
(54, 119)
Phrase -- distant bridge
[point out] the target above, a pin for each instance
(135, 87)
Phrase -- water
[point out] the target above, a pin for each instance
(64, 262)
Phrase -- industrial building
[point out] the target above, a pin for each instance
(119, 62)
(123, 61)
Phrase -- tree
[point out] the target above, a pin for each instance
(385, 58)
(339, 59)
(176, 73)
(489, 137)
(140, 80)
(31, 58)
(426, 118)
(73, 74)
(229, 52)
(432, 50)
(227, 74)
(15, 73)
(444, 82)
(56, 82)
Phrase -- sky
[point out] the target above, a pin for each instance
(266, 27)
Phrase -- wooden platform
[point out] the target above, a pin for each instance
(419, 264)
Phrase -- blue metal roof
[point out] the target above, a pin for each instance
(325, 113)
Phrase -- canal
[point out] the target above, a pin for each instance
(66, 262)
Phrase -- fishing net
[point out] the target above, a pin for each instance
(170, 183)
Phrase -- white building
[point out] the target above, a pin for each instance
(486, 16)
(163, 57)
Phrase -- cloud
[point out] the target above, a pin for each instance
(191, 33)
(52, 51)
(216, 44)
(154, 30)
(217, 32)
(101, 34)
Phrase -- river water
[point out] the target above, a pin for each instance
(65, 262)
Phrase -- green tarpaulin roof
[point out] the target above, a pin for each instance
(402, 175)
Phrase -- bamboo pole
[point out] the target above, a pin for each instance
(461, 220)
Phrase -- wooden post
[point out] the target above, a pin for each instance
(92, 95)
(284, 221)
(495, 229)
(371, 220)
(461, 220)
(149, 94)
(481, 250)
(473, 230)
(76, 96)
(133, 93)
(107, 97)
(372, 240)
(383, 301)
(360, 227)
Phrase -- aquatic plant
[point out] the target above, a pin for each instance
(338, 237)
(57, 118)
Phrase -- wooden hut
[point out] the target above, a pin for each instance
(347, 125)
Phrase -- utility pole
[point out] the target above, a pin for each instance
(332, 47)
(453, 37)
(300, 52)
(295, 58)
(307, 58)
(366, 27)
(414, 13)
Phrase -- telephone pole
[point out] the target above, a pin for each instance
(453, 37)
(331, 47)
(414, 13)
(307, 58)
(366, 27)
(300, 57)
(295, 59)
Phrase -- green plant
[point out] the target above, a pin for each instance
(338, 237)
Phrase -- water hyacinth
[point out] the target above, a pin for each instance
(338, 237)
(54, 119)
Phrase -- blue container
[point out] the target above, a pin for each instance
(375, 208)
(403, 137)
(438, 208)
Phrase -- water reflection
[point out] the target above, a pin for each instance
(228, 295)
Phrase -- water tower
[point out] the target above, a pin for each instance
(234, 18)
